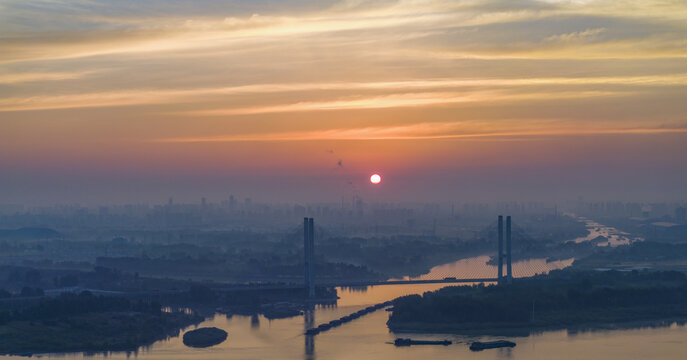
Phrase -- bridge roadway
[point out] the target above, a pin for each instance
(405, 282)
(249, 287)
(354, 284)
(243, 287)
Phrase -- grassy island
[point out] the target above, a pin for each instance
(564, 299)
(204, 337)
(88, 323)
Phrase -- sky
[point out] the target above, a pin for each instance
(129, 101)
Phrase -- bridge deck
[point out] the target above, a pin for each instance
(403, 282)
(355, 284)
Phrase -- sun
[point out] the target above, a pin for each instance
(376, 178)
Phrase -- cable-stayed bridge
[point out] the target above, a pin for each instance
(503, 271)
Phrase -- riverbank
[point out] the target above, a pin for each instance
(527, 329)
(85, 323)
(567, 299)
(93, 333)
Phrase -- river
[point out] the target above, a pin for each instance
(604, 235)
(368, 337)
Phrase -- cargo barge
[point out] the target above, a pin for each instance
(478, 346)
(408, 342)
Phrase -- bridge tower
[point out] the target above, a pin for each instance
(509, 269)
(309, 254)
(499, 257)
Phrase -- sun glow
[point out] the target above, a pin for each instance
(375, 178)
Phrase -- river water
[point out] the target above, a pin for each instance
(608, 235)
(368, 337)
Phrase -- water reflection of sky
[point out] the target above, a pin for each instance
(613, 237)
(369, 338)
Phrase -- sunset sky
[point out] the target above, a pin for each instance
(135, 101)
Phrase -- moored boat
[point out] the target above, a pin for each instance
(408, 342)
(478, 345)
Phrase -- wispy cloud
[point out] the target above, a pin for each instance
(576, 36)
(23, 77)
(401, 100)
(83, 30)
(428, 131)
(400, 93)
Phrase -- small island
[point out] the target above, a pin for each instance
(204, 337)
(563, 299)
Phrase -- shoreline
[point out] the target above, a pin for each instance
(523, 330)
(101, 344)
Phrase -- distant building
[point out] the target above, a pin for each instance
(299, 210)
(680, 213)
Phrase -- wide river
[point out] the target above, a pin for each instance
(368, 337)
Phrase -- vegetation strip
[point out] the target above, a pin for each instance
(334, 323)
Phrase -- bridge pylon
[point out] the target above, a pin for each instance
(500, 251)
(509, 267)
(507, 255)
